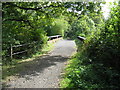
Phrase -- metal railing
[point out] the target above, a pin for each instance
(81, 38)
(54, 37)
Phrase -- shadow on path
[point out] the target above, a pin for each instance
(36, 66)
(39, 64)
(43, 71)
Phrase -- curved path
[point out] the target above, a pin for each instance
(45, 71)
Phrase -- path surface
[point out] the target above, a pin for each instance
(45, 72)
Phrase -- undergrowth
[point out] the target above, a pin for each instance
(97, 62)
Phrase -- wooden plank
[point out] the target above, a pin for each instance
(19, 52)
(11, 50)
(24, 44)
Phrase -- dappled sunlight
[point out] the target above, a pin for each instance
(41, 67)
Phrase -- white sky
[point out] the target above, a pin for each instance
(106, 8)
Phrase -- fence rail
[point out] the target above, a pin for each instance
(16, 46)
(22, 45)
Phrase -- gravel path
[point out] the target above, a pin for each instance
(45, 71)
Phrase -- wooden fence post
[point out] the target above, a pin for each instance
(11, 51)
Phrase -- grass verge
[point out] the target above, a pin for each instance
(65, 81)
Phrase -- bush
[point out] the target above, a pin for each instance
(82, 27)
(59, 26)
(97, 65)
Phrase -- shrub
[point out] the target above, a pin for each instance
(97, 65)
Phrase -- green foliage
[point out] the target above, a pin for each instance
(107, 47)
(97, 65)
(20, 27)
(84, 26)
(59, 26)
(28, 22)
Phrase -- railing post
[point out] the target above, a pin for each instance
(11, 51)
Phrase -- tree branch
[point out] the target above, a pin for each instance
(40, 8)
(26, 21)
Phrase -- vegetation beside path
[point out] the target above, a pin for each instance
(97, 62)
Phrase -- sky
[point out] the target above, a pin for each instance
(106, 8)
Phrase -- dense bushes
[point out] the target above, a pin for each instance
(97, 64)
(58, 26)
(83, 27)
(20, 27)
(24, 23)
(106, 47)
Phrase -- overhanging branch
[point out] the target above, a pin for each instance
(25, 8)
(20, 20)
